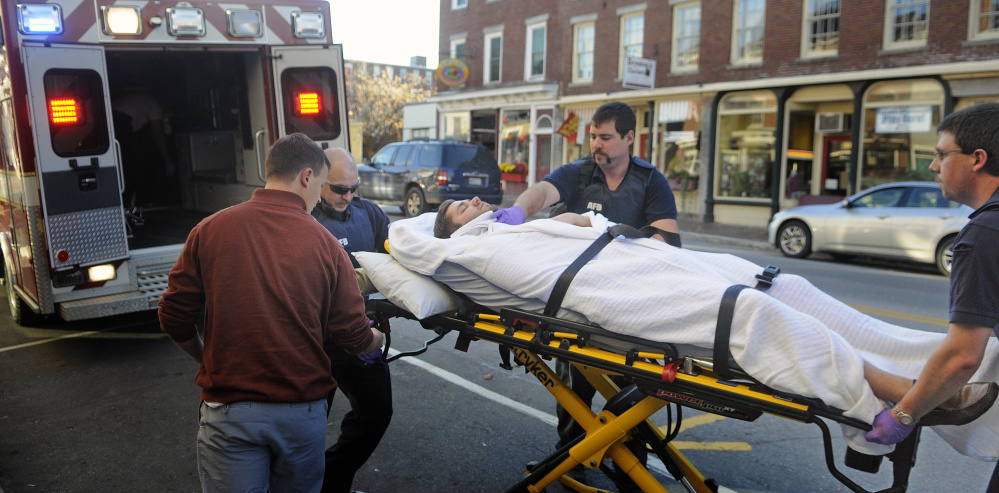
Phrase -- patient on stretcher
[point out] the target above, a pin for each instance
(793, 338)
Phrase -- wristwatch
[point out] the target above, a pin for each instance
(903, 417)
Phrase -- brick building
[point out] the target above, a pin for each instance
(743, 95)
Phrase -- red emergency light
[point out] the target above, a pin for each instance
(64, 111)
(307, 103)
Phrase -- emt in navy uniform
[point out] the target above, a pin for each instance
(359, 225)
(612, 182)
(967, 167)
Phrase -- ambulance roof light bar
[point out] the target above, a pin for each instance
(245, 23)
(185, 20)
(308, 24)
(121, 20)
(39, 18)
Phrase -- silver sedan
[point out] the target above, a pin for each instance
(905, 220)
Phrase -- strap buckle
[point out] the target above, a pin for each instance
(766, 279)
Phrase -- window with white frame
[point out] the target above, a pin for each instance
(747, 36)
(458, 46)
(686, 37)
(984, 19)
(459, 4)
(534, 55)
(906, 24)
(582, 51)
(632, 31)
(493, 57)
(820, 28)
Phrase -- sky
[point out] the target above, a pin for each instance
(387, 31)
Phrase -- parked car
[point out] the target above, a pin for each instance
(419, 175)
(905, 220)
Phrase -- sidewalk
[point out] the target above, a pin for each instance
(695, 229)
(750, 236)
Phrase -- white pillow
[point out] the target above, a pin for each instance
(416, 293)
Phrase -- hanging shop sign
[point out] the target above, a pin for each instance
(639, 73)
(452, 72)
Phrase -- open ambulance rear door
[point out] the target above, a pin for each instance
(310, 82)
(77, 170)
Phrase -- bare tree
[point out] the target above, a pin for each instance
(378, 101)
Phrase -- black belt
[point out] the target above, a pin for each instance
(562, 285)
(725, 312)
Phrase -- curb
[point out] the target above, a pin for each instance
(726, 240)
(689, 235)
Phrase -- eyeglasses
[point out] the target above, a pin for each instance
(940, 155)
(342, 190)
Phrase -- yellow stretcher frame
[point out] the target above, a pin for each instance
(532, 338)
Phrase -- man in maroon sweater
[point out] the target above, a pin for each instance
(273, 283)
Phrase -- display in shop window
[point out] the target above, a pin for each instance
(515, 172)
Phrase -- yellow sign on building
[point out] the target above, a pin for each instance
(452, 72)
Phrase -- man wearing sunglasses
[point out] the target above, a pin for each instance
(360, 225)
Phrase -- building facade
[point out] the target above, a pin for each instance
(749, 106)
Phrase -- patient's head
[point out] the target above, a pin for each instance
(454, 214)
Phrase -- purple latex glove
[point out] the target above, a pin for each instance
(371, 357)
(887, 430)
(512, 215)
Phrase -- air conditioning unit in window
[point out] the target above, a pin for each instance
(832, 122)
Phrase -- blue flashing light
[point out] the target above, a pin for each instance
(39, 18)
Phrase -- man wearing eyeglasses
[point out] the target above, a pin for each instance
(360, 225)
(967, 167)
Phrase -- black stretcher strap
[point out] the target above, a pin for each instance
(723, 329)
(562, 285)
(669, 237)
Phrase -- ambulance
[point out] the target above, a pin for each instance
(123, 123)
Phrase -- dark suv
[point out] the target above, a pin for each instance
(419, 175)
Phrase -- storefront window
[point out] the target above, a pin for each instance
(484, 128)
(456, 126)
(746, 157)
(679, 124)
(516, 138)
(899, 139)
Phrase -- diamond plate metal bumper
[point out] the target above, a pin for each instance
(89, 236)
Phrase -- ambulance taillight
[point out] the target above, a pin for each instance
(64, 111)
(78, 123)
(310, 102)
(307, 103)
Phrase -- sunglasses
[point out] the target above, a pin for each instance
(342, 190)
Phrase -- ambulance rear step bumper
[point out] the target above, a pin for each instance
(105, 306)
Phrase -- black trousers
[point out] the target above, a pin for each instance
(369, 390)
(994, 483)
(568, 428)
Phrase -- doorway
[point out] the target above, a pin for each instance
(836, 150)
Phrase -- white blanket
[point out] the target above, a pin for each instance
(793, 338)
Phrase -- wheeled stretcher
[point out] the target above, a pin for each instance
(650, 313)
(657, 377)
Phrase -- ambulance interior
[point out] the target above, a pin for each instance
(209, 160)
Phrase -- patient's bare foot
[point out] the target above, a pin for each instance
(972, 401)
